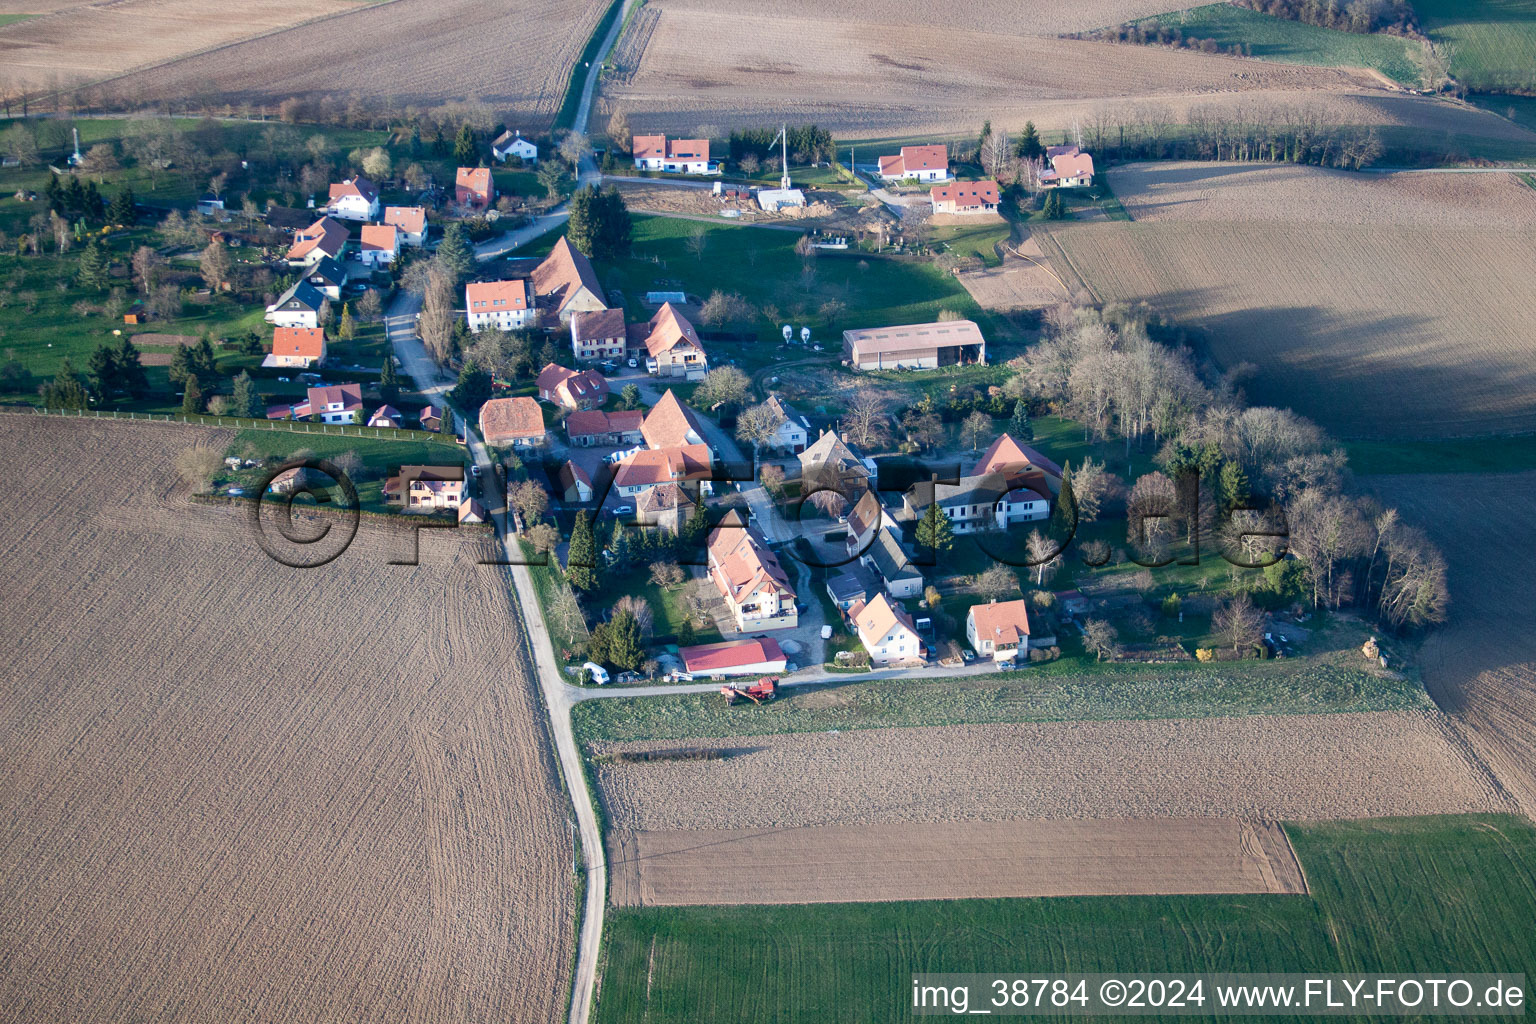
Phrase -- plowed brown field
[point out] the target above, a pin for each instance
(1379, 309)
(1481, 666)
(88, 41)
(882, 68)
(517, 56)
(1272, 767)
(234, 791)
(1106, 857)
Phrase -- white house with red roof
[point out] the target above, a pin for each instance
(296, 346)
(916, 163)
(672, 346)
(681, 156)
(999, 630)
(886, 631)
(473, 188)
(325, 237)
(410, 221)
(965, 198)
(385, 416)
(1020, 465)
(599, 334)
(734, 658)
(354, 199)
(502, 305)
(379, 245)
(571, 389)
(1069, 167)
(336, 403)
(650, 467)
(749, 577)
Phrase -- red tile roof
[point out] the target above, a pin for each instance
(1005, 622)
(741, 565)
(649, 147)
(495, 296)
(564, 272)
(668, 423)
(304, 342)
(730, 654)
(655, 466)
(325, 234)
(350, 395)
(596, 421)
(966, 193)
(410, 219)
(476, 179)
(380, 238)
(503, 420)
(1009, 457)
(670, 328)
(358, 186)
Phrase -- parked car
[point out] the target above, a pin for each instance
(826, 632)
(623, 510)
(474, 471)
(634, 364)
(968, 655)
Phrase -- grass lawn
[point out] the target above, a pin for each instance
(380, 457)
(1295, 42)
(1069, 689)
(1493, 41)
(1519, 109)
(760, 264)
(666, 604)
(979, 239)
(11, 19)
(1402, 894)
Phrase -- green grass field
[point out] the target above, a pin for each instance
(11, 19)
(1068, 689)
(1295, 42)
(380, 457)
(1494, 41)
(1406, 894)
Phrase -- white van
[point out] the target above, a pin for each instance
(596, 673)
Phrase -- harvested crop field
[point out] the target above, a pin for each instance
(1186, 191)
(805, 60)
(515, 56)
(1481, 665)
(239, 791)
(1283, 767)
(845, 864)
(1022, 282)
(1360, 325)
(93, 40)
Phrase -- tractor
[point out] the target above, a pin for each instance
(760, 692)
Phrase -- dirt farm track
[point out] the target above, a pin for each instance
(233, 791)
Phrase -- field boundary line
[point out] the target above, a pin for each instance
(243, 423)
(1067, 261)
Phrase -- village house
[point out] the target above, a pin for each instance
(999, 631)
(325, 237)
(354, 199)
(329, 277)
(511, 143)
(886, 632)
(866, 517)
(854, 584)
(299, 306)
(472, 511)
(296, 346)
(976, 503)
(565, 282)
(794, 429)
(830, 462)
(500, 305)
(335, 403)
(598, 335)
(588, 429)
(750, 579)
(473, 188)
(385, 416)
(734, 658)
(915, 346)
(886, 556)
(430, 419)
(666, 506)
(426, 488)
(410, 221)
(575, 484)
(683, 156)
(571, 389)
(671, 424)
(512, 422)
(380, 244)
(966, 198)
(639, 471)
(1069, 167)
(916, 163)
(673, 348)
(1020, 465)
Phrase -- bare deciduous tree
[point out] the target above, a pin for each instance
(1237, 622)
(1100, 638)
